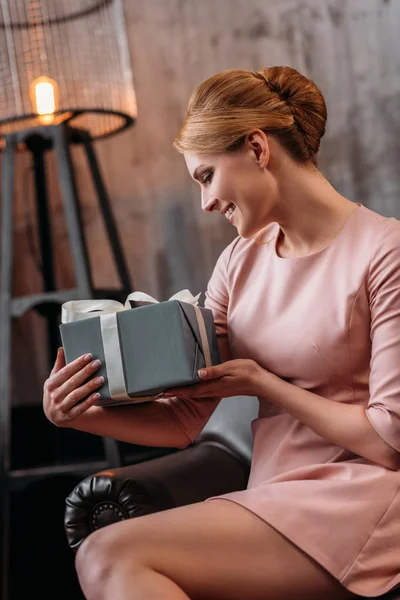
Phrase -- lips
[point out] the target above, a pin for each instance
(226, 208)
(230, 218)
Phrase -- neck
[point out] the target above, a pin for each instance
(310, 211)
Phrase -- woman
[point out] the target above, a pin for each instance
(306, 302)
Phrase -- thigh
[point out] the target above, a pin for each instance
(220, 550)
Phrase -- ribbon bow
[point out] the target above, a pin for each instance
(76, 310)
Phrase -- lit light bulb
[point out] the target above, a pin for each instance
(44, 96)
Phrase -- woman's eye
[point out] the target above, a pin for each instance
(208, 178)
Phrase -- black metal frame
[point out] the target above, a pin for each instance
(66, 116)
(38, 141)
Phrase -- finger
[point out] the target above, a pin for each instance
(58, 378)
(59, 362)
(214, 372)
(77, 411)
(77, 379)
(77, 394)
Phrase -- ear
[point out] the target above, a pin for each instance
(257, 142)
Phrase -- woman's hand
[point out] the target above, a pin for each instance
(239, 377)
(66, 387)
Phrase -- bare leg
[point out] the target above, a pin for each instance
(216, 551)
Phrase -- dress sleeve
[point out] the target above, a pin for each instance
(192, 414)
(383, 410)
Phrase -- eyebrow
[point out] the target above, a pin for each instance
(196, 171)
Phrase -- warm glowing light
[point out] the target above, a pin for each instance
(44, 94)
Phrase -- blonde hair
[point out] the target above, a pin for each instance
(278, 100)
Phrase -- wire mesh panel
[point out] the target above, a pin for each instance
(65, 60)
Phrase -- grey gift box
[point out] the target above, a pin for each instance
(160, 343)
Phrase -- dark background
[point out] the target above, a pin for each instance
(42, 564)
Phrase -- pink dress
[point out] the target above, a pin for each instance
(329, 322)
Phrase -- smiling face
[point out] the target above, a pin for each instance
(240, 178)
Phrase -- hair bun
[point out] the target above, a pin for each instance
(280, 101)
(304, 99)
(273, 83)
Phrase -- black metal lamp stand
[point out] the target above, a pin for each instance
(38, 141)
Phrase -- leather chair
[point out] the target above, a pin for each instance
(216, 463)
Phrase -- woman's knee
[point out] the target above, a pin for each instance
(93, 561)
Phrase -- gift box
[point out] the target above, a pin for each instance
(143, 349)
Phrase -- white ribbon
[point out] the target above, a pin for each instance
(76, 310)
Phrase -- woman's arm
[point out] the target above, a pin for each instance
(69, 401)
(145, 424)
(344, 425)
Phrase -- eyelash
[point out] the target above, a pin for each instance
(208, 178)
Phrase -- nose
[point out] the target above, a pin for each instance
(208, 202)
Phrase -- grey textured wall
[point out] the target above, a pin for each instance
(350, 48)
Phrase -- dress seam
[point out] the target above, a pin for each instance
(387, 222)
(370, 535)
(350, 385)
(348, 335)
(228, 263)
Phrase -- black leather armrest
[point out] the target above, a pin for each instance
(186, 477)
